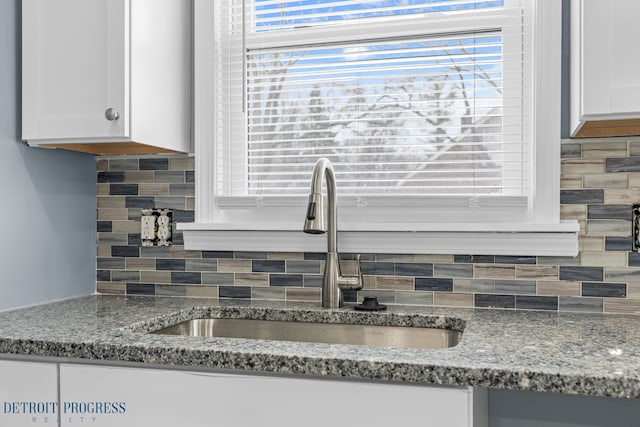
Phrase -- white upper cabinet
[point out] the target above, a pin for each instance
(107, 76)
(605, 68)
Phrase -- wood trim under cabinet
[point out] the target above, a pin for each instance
(110, 148)
(604, 128)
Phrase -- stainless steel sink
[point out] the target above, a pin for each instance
(330, 333)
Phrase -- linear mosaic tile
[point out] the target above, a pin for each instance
(599, 183)
(201, 264)
(502, 259)
(378, 268)
(413, 298)
(315, 256)
(631, 275)
(434, 284)
(606, 149)
(171, 291)
(569, 151)
(453, 270)
(123, 189)
(201, 291)
(125, 276)
(155, 276)
(170, 264)
(169, 177)
(252, 279)
(110, 263)
(494, 271)
(103, 275)
(140, 202)
(285, 280)
(558, 287)
(577, 304)
(186, 277)
(312, 280)
(104, 226)
(110, 177)
(234, 265)
(526, 302)
(153, 190)
(297, 266)
(234, 291)
(628, 164)
(515, 287)
(618, 243)
(537, 272)
(268, 266)
(304, 295)
(582, 166)
(251, 255)
(268, 293)
(395, 282)
(610, 180)
(581, 273)
(594, 289)
(414, 269)
(452, 299)
(141, 177)
(140, 289)
(622, 212)
(483, 286)
(125, 251)
(495, 301)
(633, 258)
(154, 164)
(484, 259)
(155, 252)
(217, 254)
(581, 196)
(124, 164)
(218, 278)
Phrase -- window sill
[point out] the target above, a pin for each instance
(494, 239)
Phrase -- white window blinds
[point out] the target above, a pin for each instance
(411, 97)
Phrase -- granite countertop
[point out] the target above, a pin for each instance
(591, 354)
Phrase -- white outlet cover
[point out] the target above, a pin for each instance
(147, 228)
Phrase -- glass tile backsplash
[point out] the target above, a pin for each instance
(600, 181)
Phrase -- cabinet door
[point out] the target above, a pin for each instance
(28, 393)
(160, 398)
(611, 58)
(75, 57)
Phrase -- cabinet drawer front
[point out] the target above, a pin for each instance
(28, 393)
(169, 398)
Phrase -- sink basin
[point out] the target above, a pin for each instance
(330, 333)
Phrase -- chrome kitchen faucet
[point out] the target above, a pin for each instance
(333, 281)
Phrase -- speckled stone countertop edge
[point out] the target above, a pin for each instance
(582, 369)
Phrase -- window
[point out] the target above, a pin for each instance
(430, 111)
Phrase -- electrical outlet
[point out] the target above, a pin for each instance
(164, 228)
(147, 228)
(155, 227)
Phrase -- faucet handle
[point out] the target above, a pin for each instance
(352, 282)
(359, 269)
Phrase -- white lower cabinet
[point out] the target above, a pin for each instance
(103, 396)
(28, 393)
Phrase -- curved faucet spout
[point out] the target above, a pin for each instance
(314, 223)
